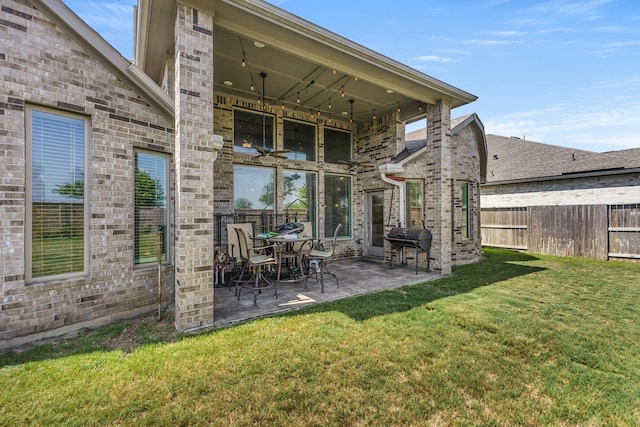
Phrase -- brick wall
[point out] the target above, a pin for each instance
(439, 176)
(378, 142)
(466, 169)
(195, 157)
(223, 168)
(608, 189)
(40, 65)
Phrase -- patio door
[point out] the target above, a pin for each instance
(375, 224)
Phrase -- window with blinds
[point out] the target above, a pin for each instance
(56, 143)
(151, 215)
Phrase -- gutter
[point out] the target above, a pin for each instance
(388, 173)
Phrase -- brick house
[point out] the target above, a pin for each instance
(563, 201)
(229, 106)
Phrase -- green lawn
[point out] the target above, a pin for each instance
(515, 340)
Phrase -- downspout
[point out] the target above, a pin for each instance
(388, 174)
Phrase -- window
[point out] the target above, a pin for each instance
(414, 203)
(151, 214)
(248, 130)
(464, 222)
(300, 195)
(337, 198)
(300, 138)
(56, 189)
(253, 188)
(337, 146)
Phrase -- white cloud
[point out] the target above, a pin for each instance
(433, 58)
(556, 30)
(489, 42)
(113, 20)
(600, 127)
(506, 33)
(588, 10)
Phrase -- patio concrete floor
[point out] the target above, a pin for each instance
(356, 276)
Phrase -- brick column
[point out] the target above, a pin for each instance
(438, 199)
(196, 151)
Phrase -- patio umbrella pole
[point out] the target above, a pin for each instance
(159, 258)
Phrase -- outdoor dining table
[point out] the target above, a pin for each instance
(292, 258)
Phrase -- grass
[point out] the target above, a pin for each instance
(515, 340)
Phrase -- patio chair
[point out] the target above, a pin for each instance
(321, 257)
(233, 249)
(256, 261)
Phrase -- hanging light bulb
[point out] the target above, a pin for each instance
(398, 107)
(419, 106)
(252, 86)
(342, 91)
(374, 114)
(329, 102)
(351, 101)
(298, 100)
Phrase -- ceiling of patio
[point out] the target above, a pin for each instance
(302, 62)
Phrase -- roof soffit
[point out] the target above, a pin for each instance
(287, 32)
(288, 36)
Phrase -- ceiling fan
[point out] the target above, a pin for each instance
(265, 151)
(353, 163)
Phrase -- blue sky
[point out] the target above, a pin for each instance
(562, 72)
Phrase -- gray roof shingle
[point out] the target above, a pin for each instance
(512, 159)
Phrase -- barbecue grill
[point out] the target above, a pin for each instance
(417, 238)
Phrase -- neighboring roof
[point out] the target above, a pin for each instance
(109, 57)
(460, 120)
(455, 126)
(512, 159)
(416, 134)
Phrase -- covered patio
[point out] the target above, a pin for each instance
(357, 276)
(293, 118)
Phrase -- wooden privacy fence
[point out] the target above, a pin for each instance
(585, 231)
